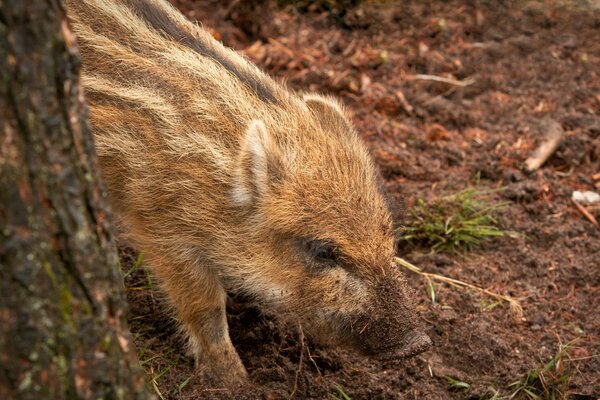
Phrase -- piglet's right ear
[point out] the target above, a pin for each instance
(259, 164)
(329, 111)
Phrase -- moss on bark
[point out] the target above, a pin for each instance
(63, 333)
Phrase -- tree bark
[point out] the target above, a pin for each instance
(63, 333)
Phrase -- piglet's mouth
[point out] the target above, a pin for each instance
(413, 344)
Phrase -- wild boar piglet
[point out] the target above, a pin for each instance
(229, 182)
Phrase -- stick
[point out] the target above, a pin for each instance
(596, 177)
(515, 306)
(553, 137)
(405, 104)
(586, 213)
(449, 81)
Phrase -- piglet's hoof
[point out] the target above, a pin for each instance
(223, 376)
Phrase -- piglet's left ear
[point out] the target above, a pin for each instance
(259, 164)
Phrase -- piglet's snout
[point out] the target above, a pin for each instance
(414, 343)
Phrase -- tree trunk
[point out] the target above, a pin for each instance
(63, 333)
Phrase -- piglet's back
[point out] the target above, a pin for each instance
(169, 107)
(142, 57)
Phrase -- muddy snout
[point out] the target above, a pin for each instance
(392, 329)
(414, 343)
(395, 345)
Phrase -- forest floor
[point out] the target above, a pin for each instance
(513, 67)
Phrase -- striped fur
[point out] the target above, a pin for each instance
(227, 181)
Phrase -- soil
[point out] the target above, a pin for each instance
(520, 64)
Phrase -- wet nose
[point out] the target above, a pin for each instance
(414, 343)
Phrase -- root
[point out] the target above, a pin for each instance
(449, 81)
(299, 369)
(515, 306)
(553, 137)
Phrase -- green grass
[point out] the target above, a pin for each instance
(182, 385)
(148, 282)
(548, 382)
(136, 265)
(341, 392)
(456, 384)
(454, 223)
(164, 366)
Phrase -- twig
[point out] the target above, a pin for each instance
(449, 81)
(586, 213)
(552, 138)
(404, 103)
(515, 306)
(299, 369)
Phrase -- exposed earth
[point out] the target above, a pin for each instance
(512, 66)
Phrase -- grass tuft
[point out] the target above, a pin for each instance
(136, 265)
(456, 384)
(341, 392)
(452, 223)
(549, 381)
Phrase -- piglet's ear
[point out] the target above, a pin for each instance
(328, 110)
(259, 165)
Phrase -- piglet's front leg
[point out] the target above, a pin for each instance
(199, 301)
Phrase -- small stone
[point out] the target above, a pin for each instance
(586, 197)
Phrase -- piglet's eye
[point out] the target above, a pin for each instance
(321, 252)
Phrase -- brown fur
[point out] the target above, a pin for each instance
(227, 181)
